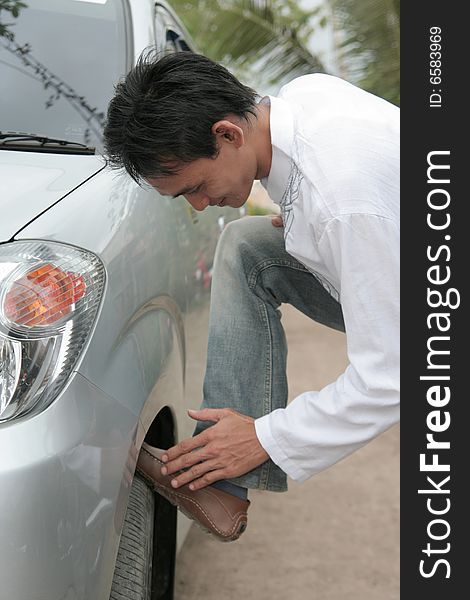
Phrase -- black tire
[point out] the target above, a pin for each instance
(146, 556)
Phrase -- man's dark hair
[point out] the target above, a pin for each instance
(162, 113)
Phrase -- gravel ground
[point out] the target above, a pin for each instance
(334, 537)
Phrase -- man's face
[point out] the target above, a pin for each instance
(222, 181)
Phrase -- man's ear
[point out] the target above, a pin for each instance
(228, 132)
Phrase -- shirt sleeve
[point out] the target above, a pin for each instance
(317, 429)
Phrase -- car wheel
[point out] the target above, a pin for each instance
(146, 556)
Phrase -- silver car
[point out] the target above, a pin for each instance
(104, 292)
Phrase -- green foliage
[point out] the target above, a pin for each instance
(13, 7)
(254, 209)
(370, 50)
(263, 41)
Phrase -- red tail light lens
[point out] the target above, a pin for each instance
(43, 296)
(50, 294)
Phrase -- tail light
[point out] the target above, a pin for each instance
(43, 295)
(50, 294)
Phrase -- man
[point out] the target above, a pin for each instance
(328, 154)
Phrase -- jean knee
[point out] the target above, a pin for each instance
(246, 241)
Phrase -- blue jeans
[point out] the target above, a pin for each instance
(247, 351)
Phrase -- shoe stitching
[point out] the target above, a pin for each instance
(184, 496)
(181, 495)
(208, 491)
(214, 495)
(238, 516)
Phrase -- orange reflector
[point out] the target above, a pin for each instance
(43, 296)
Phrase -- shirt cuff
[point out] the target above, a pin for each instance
(276, 453)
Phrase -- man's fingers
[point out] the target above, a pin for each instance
(277, 221)
(184, 462)
(190, 444)
(208, 414)
(185, 446)
(208, 479)
(200, 475)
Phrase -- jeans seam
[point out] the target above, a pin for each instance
(252, 281)
(272, 262)
(264, 475)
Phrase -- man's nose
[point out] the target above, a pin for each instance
(198, 201)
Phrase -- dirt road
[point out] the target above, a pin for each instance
(334, 537)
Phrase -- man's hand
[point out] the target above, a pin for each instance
(277, 221)
(226, 450)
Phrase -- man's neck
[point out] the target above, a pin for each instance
(262, 139)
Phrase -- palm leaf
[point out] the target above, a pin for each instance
(265, 40)
(370, 47)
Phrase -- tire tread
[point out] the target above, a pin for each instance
(132, 574)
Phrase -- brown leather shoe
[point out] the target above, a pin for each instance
(216, 511)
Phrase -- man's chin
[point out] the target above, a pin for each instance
(236, 202)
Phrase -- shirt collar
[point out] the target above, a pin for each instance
(281, 122)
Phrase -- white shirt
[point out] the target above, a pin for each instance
(335, 175)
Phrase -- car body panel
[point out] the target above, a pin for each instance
(143, 240)
(31, 182)
(64, 495)
(132, 231)
(148, 348)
